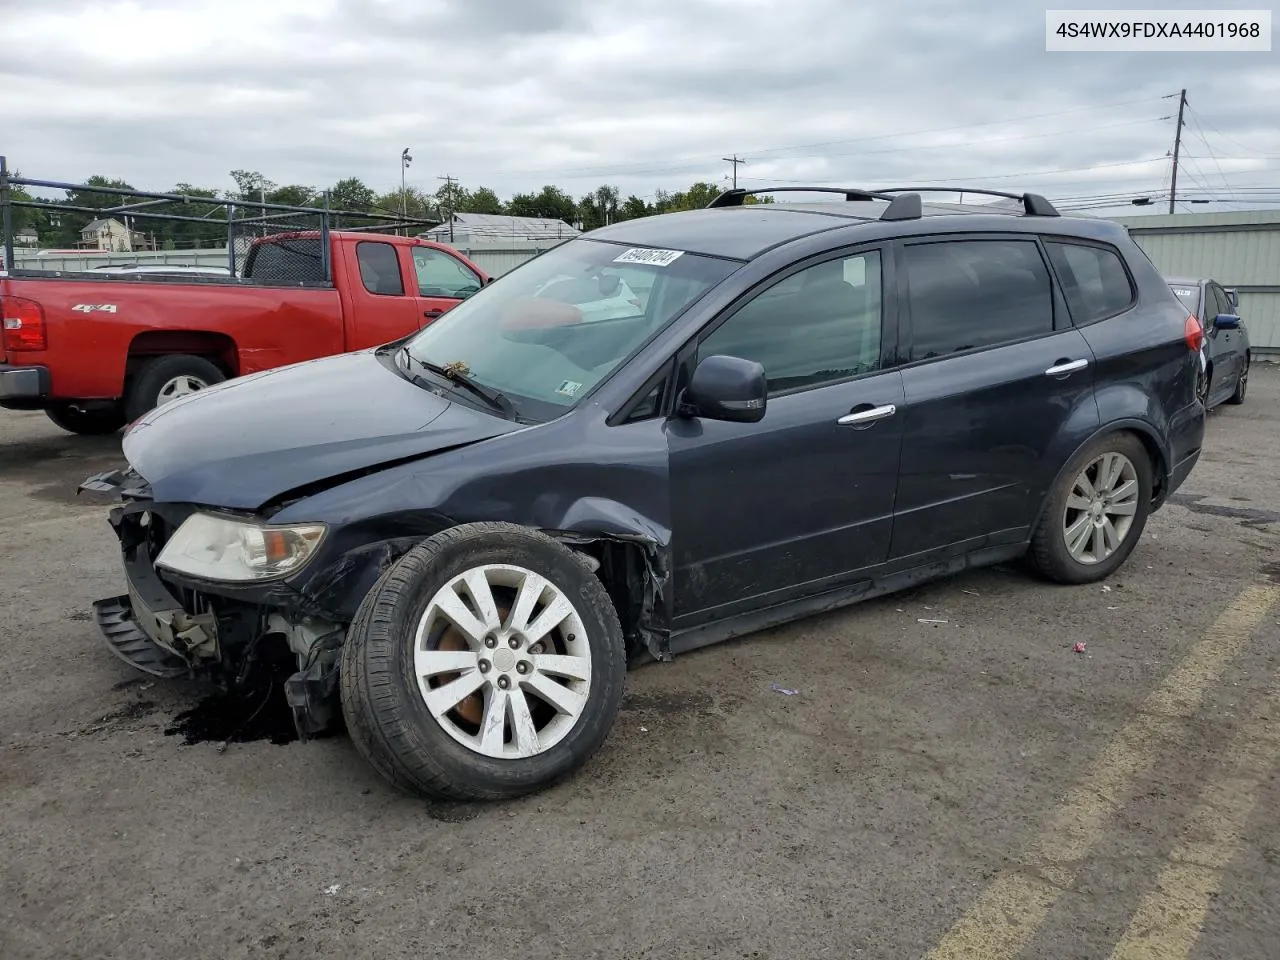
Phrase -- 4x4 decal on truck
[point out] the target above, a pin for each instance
(90, 307)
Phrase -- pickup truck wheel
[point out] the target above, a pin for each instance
(488, 662)
(88, 423)
(1096, 511)
(168, 378)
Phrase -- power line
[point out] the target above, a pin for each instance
(1199, 132)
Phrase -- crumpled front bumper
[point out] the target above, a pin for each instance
(148, 627)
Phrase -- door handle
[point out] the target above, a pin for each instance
(1064, 367)
(867, 416)
(433, 313)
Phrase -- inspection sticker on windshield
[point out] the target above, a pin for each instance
(654, 258)
(569, 388)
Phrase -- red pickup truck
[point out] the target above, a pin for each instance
(95, 352)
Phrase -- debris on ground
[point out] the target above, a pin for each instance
(930, 621)
(1105, 588)
(1079, 647)
(783, 690)
(972, 593)
(333, 888)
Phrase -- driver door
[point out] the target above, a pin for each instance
(799, 502)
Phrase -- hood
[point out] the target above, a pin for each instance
(245, 442)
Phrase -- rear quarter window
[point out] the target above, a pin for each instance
(1094, 280)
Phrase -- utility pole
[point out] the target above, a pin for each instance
(405, 160)
(1177, 148)
(449, 182)
(735, 160)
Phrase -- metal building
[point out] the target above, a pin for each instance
(1241, 250)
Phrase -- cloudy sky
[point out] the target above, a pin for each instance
(641, 94)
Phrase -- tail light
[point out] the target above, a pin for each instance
(1193, 333)
(24, 327)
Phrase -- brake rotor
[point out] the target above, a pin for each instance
(472, 708)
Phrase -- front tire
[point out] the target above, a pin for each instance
(487, 663)
(1095, 513)
(88, 423)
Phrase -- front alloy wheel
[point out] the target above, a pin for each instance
(487, 662)
(503, 661)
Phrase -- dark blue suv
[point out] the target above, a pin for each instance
(742, 415)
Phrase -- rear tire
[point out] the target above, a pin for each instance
(167, 378)
(87, 423)
(455, 746)
(1242, 385)
(1095, 513)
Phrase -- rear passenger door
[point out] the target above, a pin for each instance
(997, 385)
(382, 309)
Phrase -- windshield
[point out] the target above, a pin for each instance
(546, 333)
(1189, 295)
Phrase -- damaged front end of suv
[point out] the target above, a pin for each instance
(454, 543)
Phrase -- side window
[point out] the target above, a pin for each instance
(1219, 304)
(966, 294)
(1093, 278)
(380, 268)
(440, 275)
(816, 326)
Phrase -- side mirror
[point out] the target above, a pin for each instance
(726, 388)
(1226, 321)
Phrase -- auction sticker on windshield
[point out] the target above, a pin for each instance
(655, 258)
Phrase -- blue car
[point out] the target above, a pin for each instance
(1226, 346)
(458, 542)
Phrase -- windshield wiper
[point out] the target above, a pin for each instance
(453, 374)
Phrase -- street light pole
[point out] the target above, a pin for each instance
(405, 160)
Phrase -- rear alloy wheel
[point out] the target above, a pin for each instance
(486, 663)
(169, 378)
(1242, 385)
(89, 423)
(1096, 512)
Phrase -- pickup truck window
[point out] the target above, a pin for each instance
(380, 269)
(291, 260)
(440, 275)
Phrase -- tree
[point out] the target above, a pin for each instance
(481, 200)
(633, 208)
(250, 185)
(351, 194)
(294, 195)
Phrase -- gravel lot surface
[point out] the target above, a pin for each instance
(972, 788)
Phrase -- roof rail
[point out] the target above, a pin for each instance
(1033, 205)
(736, 196)
(904, 202)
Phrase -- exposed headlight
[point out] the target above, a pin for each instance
(220, 548)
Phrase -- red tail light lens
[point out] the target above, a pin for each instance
(24, 327)
(1193, 333)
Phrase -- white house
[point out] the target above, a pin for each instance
(108, 234)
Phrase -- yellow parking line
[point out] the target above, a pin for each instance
(1171, 917)
(1009, 911)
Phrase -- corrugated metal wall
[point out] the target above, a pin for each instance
(1239, 250)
